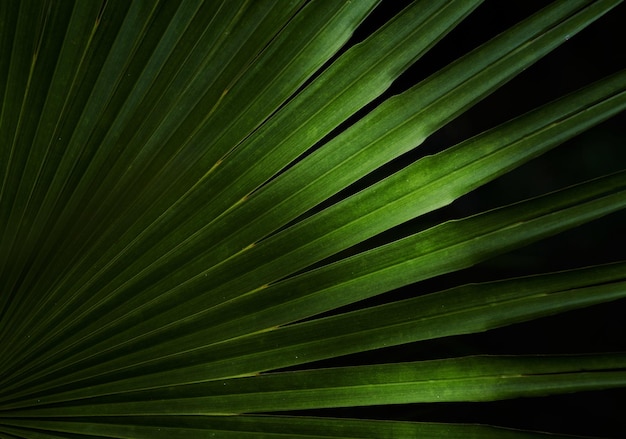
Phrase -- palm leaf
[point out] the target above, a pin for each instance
(207, 207)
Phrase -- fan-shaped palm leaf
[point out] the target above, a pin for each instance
(197, 197)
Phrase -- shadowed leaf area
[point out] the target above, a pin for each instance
(312, 219)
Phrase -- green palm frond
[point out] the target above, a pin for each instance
(215, 220)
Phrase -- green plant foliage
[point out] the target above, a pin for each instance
(211, 211)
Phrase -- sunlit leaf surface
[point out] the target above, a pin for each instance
(225, 218)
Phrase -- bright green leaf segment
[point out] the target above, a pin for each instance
(458, 379)
(192, 191)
